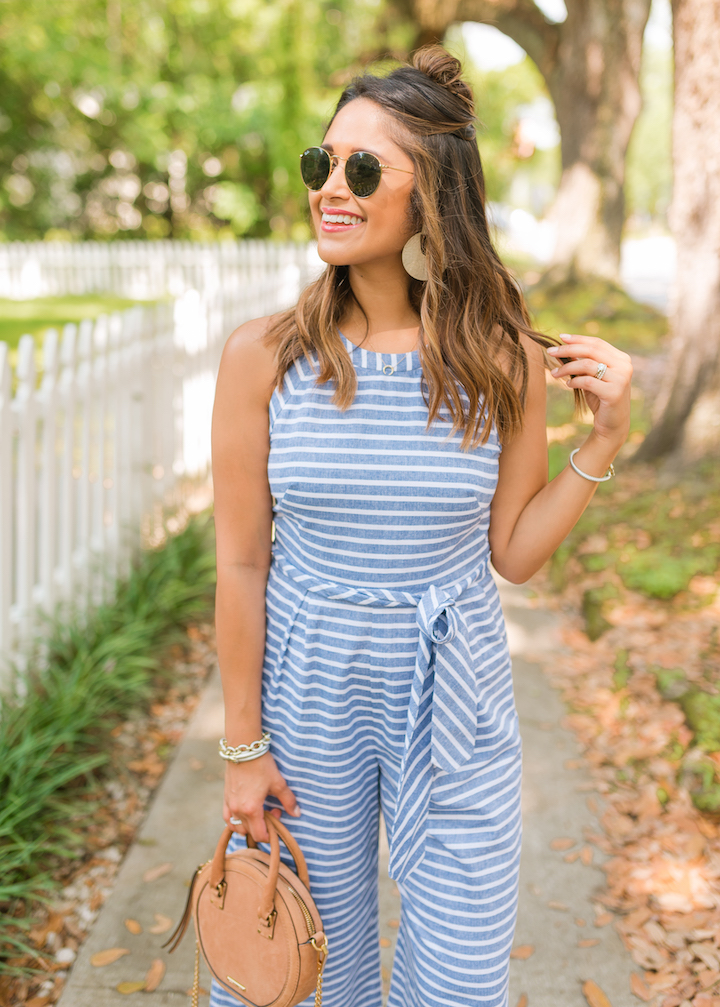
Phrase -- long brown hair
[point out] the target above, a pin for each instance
(471, 310)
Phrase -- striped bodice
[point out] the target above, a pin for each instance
(370, 497)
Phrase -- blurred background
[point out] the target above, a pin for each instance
(150, 201)
(184, 118)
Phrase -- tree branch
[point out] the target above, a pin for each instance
(520, 20)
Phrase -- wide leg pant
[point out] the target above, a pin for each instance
(335, 698)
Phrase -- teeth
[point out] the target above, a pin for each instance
(341, 218)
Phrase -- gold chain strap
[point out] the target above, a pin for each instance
(196, 978)
(322, 950)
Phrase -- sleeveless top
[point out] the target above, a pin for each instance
(372, 508)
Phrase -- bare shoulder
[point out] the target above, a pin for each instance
(248, 361)
(533, 351)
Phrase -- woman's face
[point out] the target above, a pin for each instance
(380, 223)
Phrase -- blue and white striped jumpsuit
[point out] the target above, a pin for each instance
(387, 682)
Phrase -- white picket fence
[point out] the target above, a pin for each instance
(143, 269)
(105, 430)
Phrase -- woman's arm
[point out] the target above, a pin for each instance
(530, 516)
(243, 519)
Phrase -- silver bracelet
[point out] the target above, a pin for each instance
(244, 753)
(593, 479)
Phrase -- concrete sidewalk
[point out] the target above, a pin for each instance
(184, 823)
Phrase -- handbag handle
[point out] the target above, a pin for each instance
(276, 831)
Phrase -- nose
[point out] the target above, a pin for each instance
(336, 183)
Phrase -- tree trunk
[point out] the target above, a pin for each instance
(688, 407)
(591, 65)
(594, 84)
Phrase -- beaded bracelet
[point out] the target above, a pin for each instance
(244, 753)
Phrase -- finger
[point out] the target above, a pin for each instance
(593, 347)
(587, 383)
(257, 827)
(286, 797)
(577, 350)
(584, 365)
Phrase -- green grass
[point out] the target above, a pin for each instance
(38, 315)
(597, 308)
(55, 722)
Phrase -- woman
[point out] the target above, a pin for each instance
(394, 429)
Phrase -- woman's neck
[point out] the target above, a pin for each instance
(390, 324)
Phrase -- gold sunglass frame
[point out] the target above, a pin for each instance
(335, 160)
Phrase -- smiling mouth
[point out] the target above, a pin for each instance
(346, 219)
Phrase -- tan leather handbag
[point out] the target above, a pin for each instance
(256, 923)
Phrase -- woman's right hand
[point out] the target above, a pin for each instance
(247, 786)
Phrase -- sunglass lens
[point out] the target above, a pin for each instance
(363, 173)
(315, 167)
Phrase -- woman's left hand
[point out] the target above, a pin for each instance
(607, 396)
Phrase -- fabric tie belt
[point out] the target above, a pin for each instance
(440, 733)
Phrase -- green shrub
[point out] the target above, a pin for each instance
(54, 724)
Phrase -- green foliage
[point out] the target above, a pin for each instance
(171, 117)
(663, 572)
(594, 604)
(623, 671)
(672, 682)
(702, 712)
(647, 545)
(598, 308)
(40, 314)
(54, 724)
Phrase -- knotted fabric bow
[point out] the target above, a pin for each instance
(443, 709)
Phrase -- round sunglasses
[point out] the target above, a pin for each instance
(363, 171)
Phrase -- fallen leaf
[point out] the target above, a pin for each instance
(594, 995)
(153, 873)
(586, 855)
(154, 975)
(162, 924)
(131, 987)
(562, 843)
(579, 922)
(639, 988)
(552, 904)
(393, 923)
(602, 919)
(133, 926)
(196, 764)
(108, 956)
(708, 978)
(523, 1000)
(588, 942)
(571, 857)
(385, 942)
(706, 1000)
(523, 951)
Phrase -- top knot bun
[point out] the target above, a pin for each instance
(437, 64)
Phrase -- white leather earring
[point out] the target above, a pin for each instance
(413, 257)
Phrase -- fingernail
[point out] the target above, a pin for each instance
(297, 812)
(554, 370)
(553, 349)
(565, 337)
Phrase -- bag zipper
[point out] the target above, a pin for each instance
(309, 922)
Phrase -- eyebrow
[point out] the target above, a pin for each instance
(356, 150)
